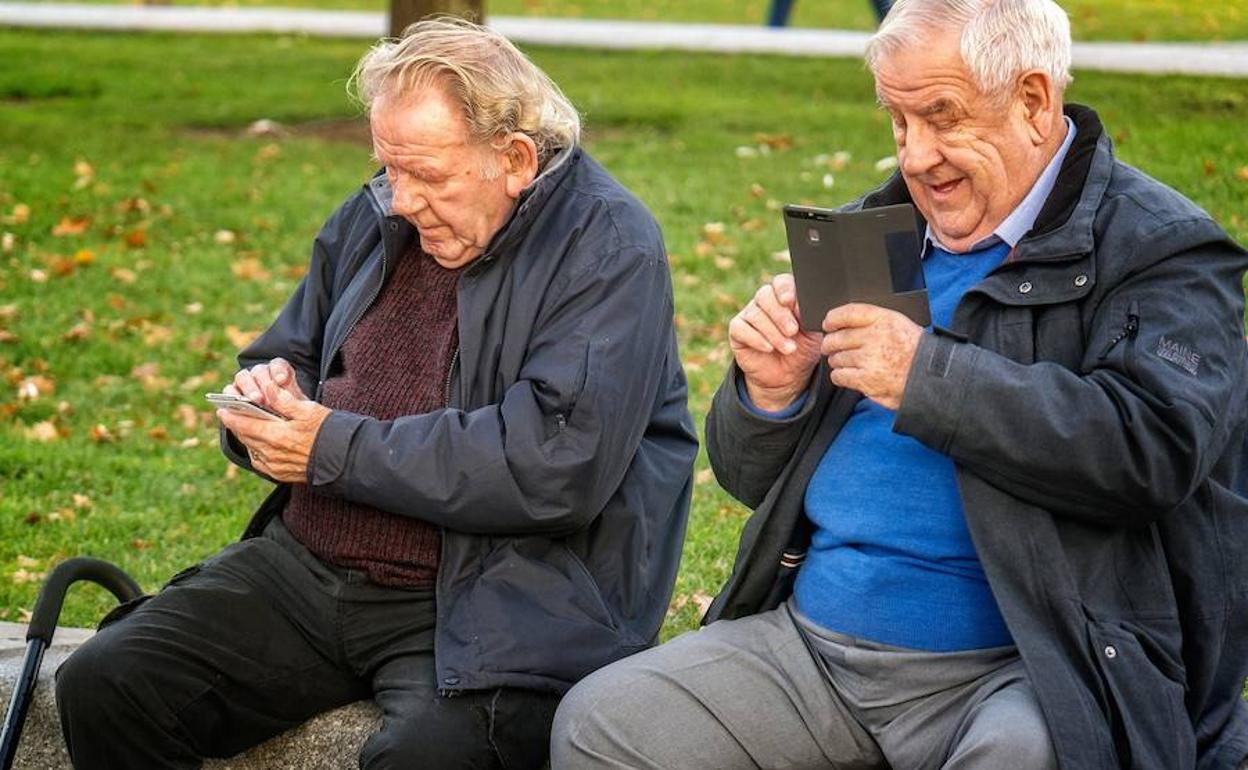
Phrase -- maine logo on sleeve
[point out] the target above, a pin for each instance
(1180, 354)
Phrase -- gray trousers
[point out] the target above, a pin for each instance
(775, 691)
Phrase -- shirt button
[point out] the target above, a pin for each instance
(1081, 280)
(451, 681)
(1024, 287)
(394, 226)
(1110, 651)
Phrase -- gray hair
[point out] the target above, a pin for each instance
(500, 89)
(1000, 39)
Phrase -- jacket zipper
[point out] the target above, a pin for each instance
(1128, 330)
(450, 374)
(363, 309)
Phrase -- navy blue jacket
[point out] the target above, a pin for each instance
(1091, 393)
(561, 470)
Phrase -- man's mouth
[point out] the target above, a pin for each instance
(945, 188)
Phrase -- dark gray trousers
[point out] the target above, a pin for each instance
(259, 638)
(774, 691)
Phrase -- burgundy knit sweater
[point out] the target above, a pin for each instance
(394, 363)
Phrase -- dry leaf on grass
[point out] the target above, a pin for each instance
(249, 269)
(71, 226)
(239, 338)
(100, 434)
(20, 215)
(78, 332)
(35, 387)
(136, 239)
(124, 275)
(186, 416)
(25, 576)
(44, 431)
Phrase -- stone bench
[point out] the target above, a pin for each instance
(330, 741)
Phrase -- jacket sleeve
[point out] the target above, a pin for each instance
(1132, 434)
(549, 455)
(748, 450)
(296, 334)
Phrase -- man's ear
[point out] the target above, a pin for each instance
(1040, 105)
(519, 162)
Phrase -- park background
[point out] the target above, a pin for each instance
(152, 222)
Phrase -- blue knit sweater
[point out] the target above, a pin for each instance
(891, 559)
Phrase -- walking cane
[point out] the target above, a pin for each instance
(39, 635)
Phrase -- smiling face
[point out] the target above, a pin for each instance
(457, 192)
(967, 161)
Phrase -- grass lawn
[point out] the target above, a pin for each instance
(1090, 19)
(144, 237)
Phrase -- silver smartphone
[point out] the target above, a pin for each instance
(870, 256)
(242, 405)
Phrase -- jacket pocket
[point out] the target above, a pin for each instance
(1125, 337)
(560, 386)
(1144, 699)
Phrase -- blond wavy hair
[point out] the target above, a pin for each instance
(500, 89)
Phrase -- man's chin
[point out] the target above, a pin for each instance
(448, 255)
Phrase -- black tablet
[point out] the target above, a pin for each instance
(870, 256)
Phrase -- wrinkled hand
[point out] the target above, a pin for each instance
(279, 449)
(253, 383)
(773, 353)
(870, 350)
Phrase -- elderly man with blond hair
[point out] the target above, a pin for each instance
(1013, 540)
(485, 464)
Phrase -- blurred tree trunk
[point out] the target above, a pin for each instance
(404, 12)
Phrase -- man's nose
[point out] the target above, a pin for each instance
(407, 200)
(919, 152)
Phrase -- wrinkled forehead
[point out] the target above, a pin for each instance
(427, 119)
(927, 70)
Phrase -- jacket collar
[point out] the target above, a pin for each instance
(1063, 228)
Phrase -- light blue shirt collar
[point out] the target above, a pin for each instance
(1023, 217)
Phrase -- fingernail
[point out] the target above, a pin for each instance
(254, 395)
(789, 346)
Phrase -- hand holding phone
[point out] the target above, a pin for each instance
(773, 353)
(870, 256)
(242, 405)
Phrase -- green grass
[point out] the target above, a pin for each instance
(159, 119)
(1090, 19)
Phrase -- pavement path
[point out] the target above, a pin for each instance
(1230, 59)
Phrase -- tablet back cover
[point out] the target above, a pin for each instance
(870, 256)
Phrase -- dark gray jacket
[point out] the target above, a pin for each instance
(1091, 393)
(560, 472)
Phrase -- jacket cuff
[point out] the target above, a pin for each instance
(936, 390)
(327, 463)
(796, 412)
(233, 449)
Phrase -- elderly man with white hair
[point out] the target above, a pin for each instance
(485, 468)
(1013, 540)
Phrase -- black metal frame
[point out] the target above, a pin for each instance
(39, 635)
